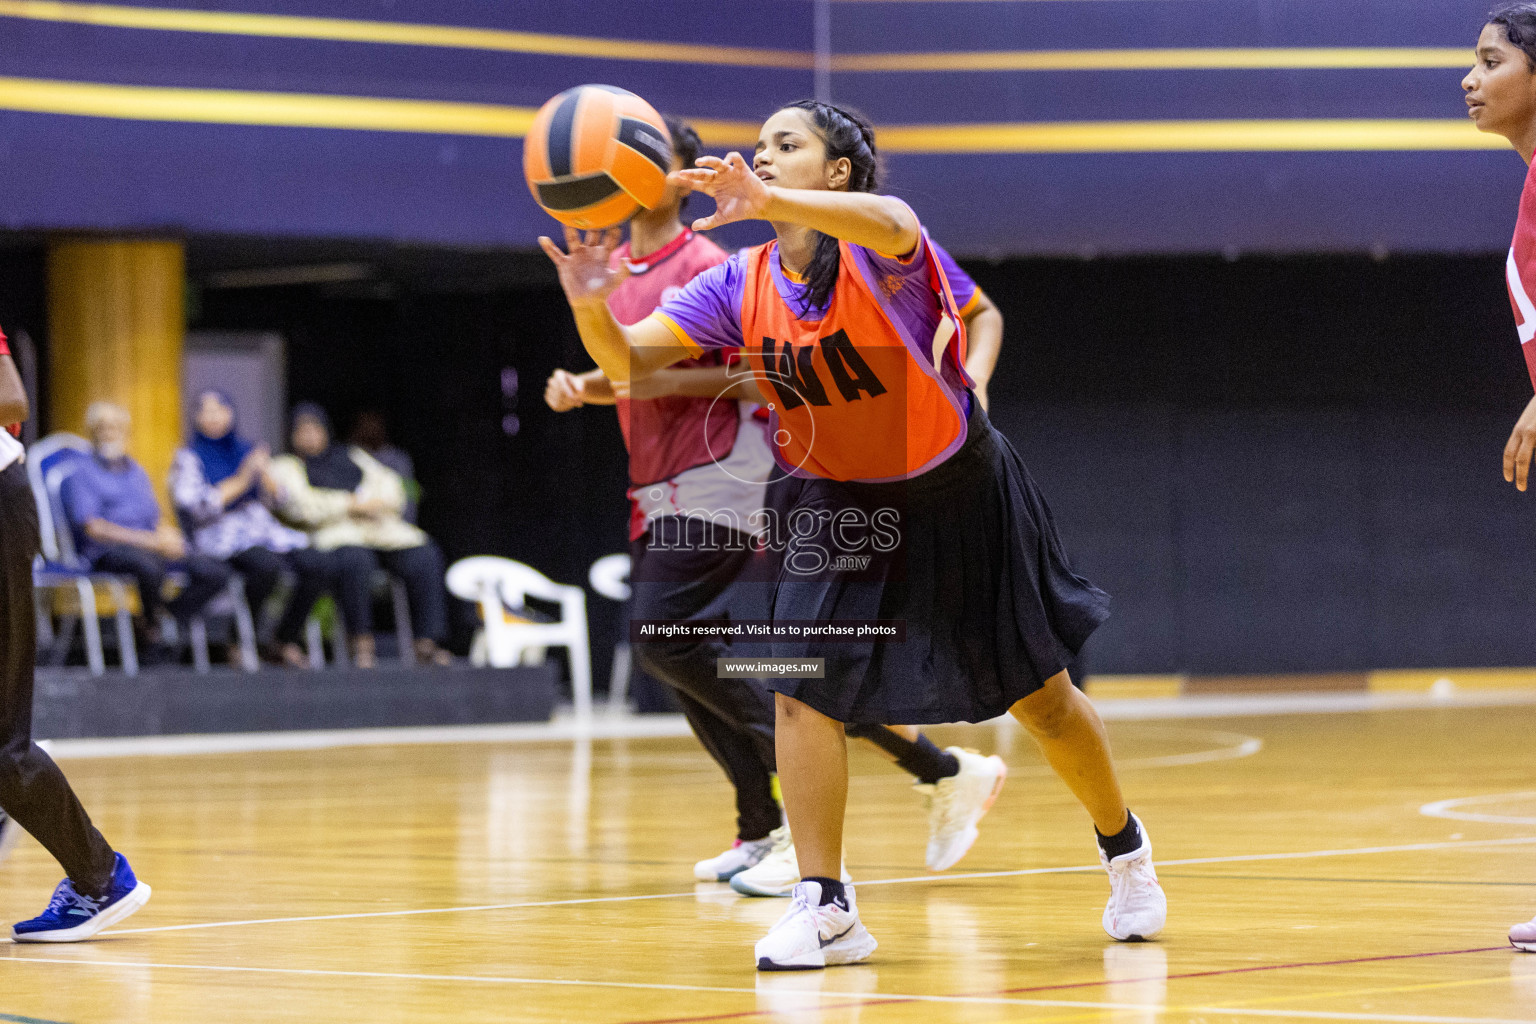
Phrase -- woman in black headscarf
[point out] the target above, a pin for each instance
(350, 504)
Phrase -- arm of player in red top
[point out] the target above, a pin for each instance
(13, 395)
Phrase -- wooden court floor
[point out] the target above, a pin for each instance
(551, 881)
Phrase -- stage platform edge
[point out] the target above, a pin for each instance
(72, 704)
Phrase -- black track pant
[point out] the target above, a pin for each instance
(32, 789)
(314, 573)
(676, 574)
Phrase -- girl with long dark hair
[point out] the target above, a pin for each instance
(911, 509)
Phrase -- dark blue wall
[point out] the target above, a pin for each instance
(93, 172)
(1278, 466)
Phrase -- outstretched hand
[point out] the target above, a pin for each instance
(739, 194)
(564, 391)
(586, 271)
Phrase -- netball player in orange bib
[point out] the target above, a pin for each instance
(1501, 98)
(912, 510)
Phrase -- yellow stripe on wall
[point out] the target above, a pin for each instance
(396, 33)
(1210, 59)
(1189, 136)
(230, 106)
(366, 113)
(170, 19)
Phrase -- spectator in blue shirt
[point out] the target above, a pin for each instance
(117, 526)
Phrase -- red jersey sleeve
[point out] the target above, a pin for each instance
(14, 429)
(1520, 273)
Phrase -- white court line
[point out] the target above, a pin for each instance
(399, 913)
(562, 728)
(1240, 858)
(1266, 704)
(646, 726)
(1448, 809)
(484, 979)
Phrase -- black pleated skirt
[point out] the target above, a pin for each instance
(979, 577)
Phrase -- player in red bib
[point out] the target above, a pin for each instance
(699, 467)
(1501, 99)
(100, 889)
(912, 508)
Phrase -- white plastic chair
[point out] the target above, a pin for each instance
(499, 584)
(609, 576)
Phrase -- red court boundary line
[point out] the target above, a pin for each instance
(1256, 967)
(1088, 984)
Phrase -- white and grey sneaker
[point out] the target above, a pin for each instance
(777, 873)
(957, 804)
(1523, 936)
(811, 936)
(9, 833)
(1137, 908)
(743, 854)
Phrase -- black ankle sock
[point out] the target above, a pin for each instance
(831, 891)
(919, 758)
(1127, 840)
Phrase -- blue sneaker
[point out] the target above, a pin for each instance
(71, 917)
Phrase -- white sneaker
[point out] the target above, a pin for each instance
(776, 874)
(1523, 936)
(743, 854)
(956, 805)
(9, 833)
(810, 936)
(1137, 907)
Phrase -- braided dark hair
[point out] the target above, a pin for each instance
(845, 133)
(685, 146)
(1518, 21)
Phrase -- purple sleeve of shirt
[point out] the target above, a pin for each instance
(960, 283)
(82, 502)
(908, 265)
(708, 310)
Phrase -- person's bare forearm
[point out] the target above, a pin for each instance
(596, 388)
(604, 338)
(14, 407)
(984, 337)
(704, 382)
(232, 487)
(104, 532)
(876, 222)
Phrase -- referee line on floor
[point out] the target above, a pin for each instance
(1076, 869)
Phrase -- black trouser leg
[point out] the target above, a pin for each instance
(148, 571)
(734, 718)
(32, 789)
(354, 587)
(314, 573)
(757, 812)
(206, 579)
(919, 758)
(421, 570)
(263, 571)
